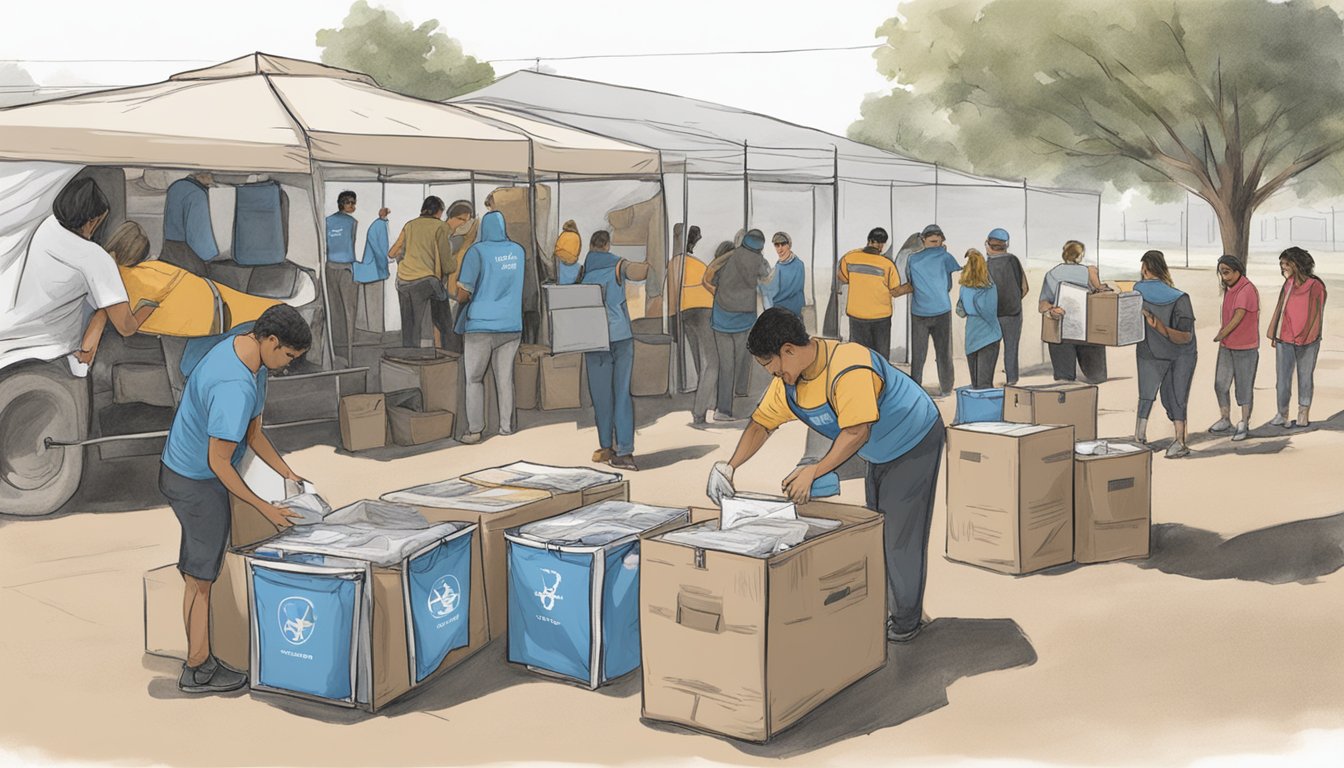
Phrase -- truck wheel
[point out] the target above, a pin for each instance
(38, 402)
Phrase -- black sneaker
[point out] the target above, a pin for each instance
(210, 677)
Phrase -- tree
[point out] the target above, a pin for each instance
(415, 60)
(1229, 99)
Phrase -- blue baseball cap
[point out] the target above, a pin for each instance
(998, 233)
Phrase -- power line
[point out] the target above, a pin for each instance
(687, 53)
(105, 61)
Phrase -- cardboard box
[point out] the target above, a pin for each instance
(165, 634)
(432, 371)
(410, 427)
(578, 318)
(653, 362)
(363, 422)
(386, 631)
(1112, 501)
(1064, 403)
(507, 508)
(708, 619)
(527, 376)
(562, 379)
(1010, 496)
(230, 635)
(1115, 319)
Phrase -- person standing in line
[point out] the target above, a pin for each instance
(863, 405)
(694, 304)
(873, 282)
(340, 277)
(443, 307)
(1295, 333)
(734, 279)
(425, 255)
(568, 247)
(218, 419)
(609, 372)
(1066, 357)
(785, 288)
(490, 290)
(979, 304)
(931, 308)
(1166, 357)
(1238, 346)
(188, 234)
(1010, 282)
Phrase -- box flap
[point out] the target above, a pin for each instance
(573, 296)
(1006, 428)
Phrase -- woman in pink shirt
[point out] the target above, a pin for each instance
(1238, 346)
(1295, 332)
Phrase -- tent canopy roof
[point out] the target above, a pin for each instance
(268, 64)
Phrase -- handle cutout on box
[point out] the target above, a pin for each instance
(1056, 457)
(1120, 484)
(849, 581)
(700, 613)
(973, 456)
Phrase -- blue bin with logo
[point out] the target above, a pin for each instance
(313, 599)
(574, 590)
(975, 405)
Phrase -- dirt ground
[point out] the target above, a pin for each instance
(1225, 642)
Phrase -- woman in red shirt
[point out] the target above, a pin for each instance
(1295, 332)
(1238, 346)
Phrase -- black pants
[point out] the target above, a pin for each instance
(873, 334)
(415, 298)
(1012, 336)
(940, 328)
(902, 490)
(1067, 358)
(982, 363)
(441, 314)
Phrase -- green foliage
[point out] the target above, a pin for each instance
(1230, 99)
(415, 60)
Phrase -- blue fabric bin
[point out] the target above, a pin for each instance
(979, 405)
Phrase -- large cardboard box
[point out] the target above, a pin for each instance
(746, 646)
(165, 634)
(434, 372)
(1112, 501)
(496, 509)
(653, 362)
(363, 422)
(527, 376)
(1115, 319)
(561, 378)
(1010, 496)
(1064, 403)
(412, 427)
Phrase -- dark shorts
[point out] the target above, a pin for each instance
(202, 508)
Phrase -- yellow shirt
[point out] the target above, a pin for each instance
(854, 394)
(871, 278)
(428, 252)
(694, 295)
(567, 247)
(186, 303)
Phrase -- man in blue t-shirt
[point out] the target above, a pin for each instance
(931, 308)
(218, 419)
(490, 290)
(341, 288)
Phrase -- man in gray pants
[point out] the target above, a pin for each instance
(1010, 280)
(490, 290)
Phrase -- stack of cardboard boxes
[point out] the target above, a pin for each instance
(1038, 490)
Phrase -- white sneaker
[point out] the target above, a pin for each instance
(1279, 420)
(1243, 432)
(1177, 451)
(1221, 425)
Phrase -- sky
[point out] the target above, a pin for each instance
(823, 90)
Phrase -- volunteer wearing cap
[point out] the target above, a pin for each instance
(734, 278)
(856, 398)
(188, 234)
(873, 282)
(1010, 282)
(785, 288)
(931, 308)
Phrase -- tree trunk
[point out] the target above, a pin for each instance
(1234, 225)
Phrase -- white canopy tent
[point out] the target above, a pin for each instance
(727, 168)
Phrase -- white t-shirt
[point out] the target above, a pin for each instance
(64, 281)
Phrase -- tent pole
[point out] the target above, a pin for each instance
(1026, 222)
(746, 186)
(935, 193)
(530, 333)
(471, 179)
(834, 320)
(319, 223)
(818, 314)
(666, 237)
(681, 274)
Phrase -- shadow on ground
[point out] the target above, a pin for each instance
(913, 683)
(1301, 551)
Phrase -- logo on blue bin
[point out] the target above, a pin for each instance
(550, 590)
(444, 597)
(297, 619)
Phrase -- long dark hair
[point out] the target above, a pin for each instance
(1303, 264)
(1156, 264)
(1232, 263)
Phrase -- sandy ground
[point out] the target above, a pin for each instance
(1226, 641)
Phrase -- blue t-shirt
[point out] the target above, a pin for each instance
(492, 272)
(786, 287)
(186, 218)
(931, 275)
(981, 306)
(341, 238)
(221, 399)
(1077, 274)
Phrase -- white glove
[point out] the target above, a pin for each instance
(720, 484)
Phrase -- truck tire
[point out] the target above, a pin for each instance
(37, 402)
